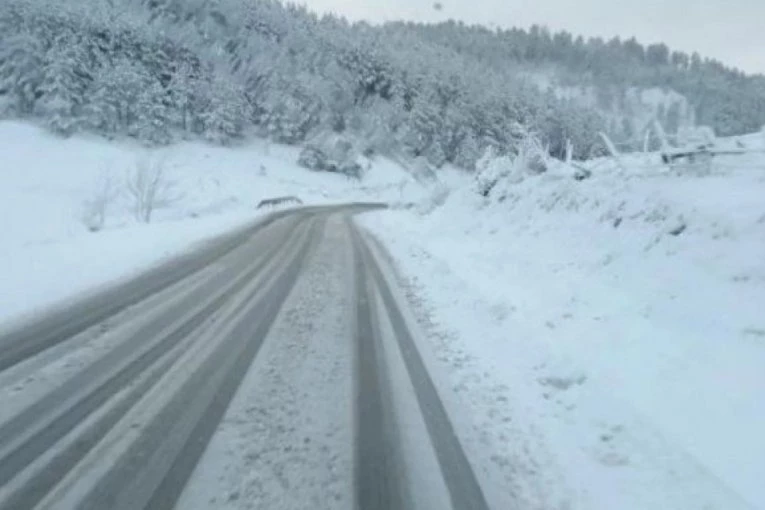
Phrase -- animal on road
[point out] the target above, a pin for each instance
(279, 200)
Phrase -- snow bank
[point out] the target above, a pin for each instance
(47, 254)
(608, 335)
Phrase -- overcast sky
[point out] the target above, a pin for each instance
(732, 31)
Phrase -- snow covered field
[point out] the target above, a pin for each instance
(46, 252)
(604, 340)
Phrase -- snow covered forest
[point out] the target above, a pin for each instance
(165, 70)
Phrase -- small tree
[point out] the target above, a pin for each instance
(149, 189)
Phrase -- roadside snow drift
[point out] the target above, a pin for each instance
(608, 335)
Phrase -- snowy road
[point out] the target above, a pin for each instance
(272, 369)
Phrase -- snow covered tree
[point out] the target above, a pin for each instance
(114, 95)
(292, 112)
(63, 86)
(182, 95)
(225, 113)
(150, 120)
(21, 65)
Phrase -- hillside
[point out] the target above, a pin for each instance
(166, 70)
(611, 71)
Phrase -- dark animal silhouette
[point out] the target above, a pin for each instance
(278, 201)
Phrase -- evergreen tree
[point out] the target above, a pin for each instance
(225, 112)
(63, 86)
(21, 65)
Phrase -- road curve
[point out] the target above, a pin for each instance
(252, 373)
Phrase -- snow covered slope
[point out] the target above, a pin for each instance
(46, 251)
(605, 338)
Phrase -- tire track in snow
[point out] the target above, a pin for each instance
(379, 466)
(464, 489)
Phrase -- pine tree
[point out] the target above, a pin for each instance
(21, 64)
(62, 90)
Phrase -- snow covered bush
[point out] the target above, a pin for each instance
(490, 168)
(352, 170)
(335, 154)
(314, 158)
(531, 159)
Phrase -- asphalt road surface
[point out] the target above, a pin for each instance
(272, 368)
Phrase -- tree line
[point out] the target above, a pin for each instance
(222, 70)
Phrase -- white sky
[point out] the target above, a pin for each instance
(732, 31)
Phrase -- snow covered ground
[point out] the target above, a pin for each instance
(46, 252)
(599, 344)
(603, 340)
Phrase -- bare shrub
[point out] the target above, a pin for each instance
(149, 189)
(96, 207)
